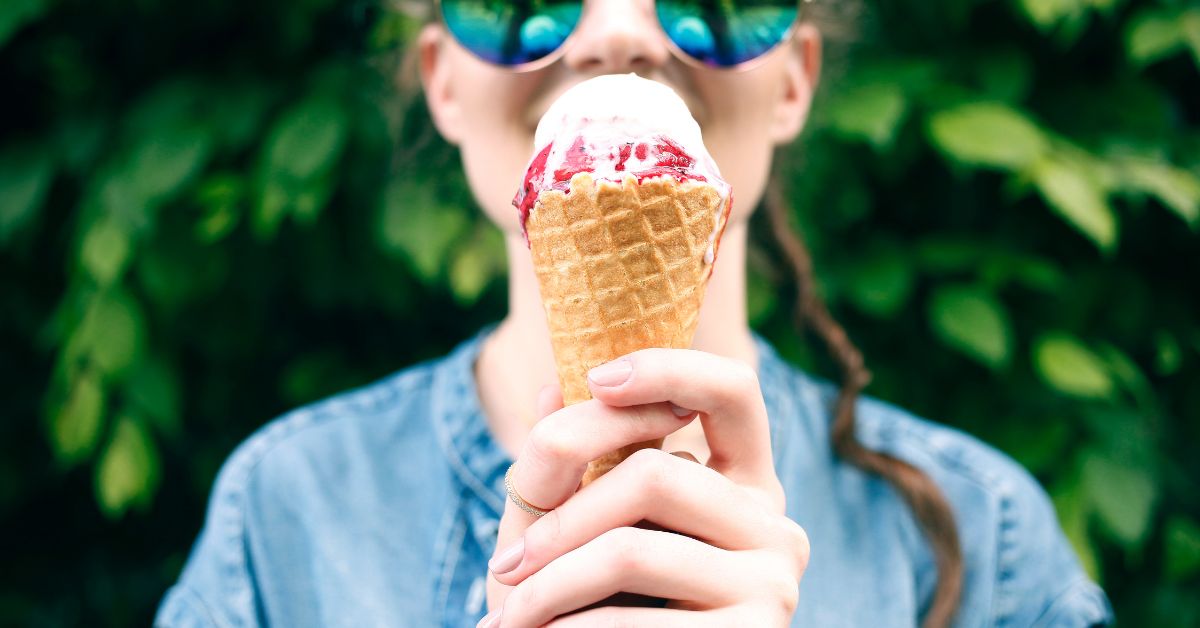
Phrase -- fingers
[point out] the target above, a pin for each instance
(548, 401)
(666, 491)
(724, 391)
(559, 446)
(631, 560)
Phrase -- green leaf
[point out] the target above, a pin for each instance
(236, 112)
(1169, 354)
(306, 139)
(271, 209)
(164, 161)
(475, 264)
(15, 14)
(303, 146)
(987, 134)
(1046, 14)
(75, 425)
(974, 322)
(469, 275)
(1123, 497)
(1029, 271)
(120, 199)
(1191, 33)
(1178, 189)
(153, 389)
(870, 112)
(311, 199)
(1153, 35)
(1073, 512)
(419, 229)
(1182, 549)
(179, 102)
(105, 251)
(1077, 196)
(1069, 367)
(880, 283)
(220, 195)
(78, 138)
(1129, 375)
(25, 175)
(218, 221)
(112, 332)
(128, 471)
(761, 294)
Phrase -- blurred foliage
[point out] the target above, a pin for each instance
(211, 212)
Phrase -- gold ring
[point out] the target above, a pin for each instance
(517, 499)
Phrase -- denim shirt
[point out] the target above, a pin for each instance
(379, 507)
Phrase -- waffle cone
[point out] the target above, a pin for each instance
(622, 267)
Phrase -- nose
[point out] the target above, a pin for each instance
(616, 36)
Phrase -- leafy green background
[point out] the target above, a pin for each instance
(214, 211)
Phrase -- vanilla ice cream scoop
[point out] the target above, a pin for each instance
(612, 126)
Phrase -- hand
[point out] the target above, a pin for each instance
(727, 554)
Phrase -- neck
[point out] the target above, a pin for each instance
(516, 360)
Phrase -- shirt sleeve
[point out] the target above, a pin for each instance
(217, 587)
(1081, 604)
(1039, 581)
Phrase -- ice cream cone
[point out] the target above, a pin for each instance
(622, 267)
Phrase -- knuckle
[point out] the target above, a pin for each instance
(783, 591)
(642, 420)
(525, 599)
(642, 473)
(550, 445)
(796, 541)
(623, 547)
(650, 467)
(643, 460)
(741, 384)
(745, 374)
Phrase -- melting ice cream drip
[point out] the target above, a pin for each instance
(616, 126)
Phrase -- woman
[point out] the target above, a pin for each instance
(389, 505)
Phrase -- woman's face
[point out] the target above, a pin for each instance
(491, 113)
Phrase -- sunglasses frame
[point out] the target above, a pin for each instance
(537, 64)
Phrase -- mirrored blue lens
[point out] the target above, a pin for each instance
(511, 33)
(725, 33)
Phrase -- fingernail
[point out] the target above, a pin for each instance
(681, 412)
(508, 560)
(612, 373)
(491, 620)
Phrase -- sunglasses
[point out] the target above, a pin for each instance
(528, 34)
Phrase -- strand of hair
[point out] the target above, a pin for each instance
(926, 501)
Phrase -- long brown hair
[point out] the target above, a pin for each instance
(928, 505)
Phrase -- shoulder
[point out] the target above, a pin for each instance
(275, 471)
(1020, 569)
